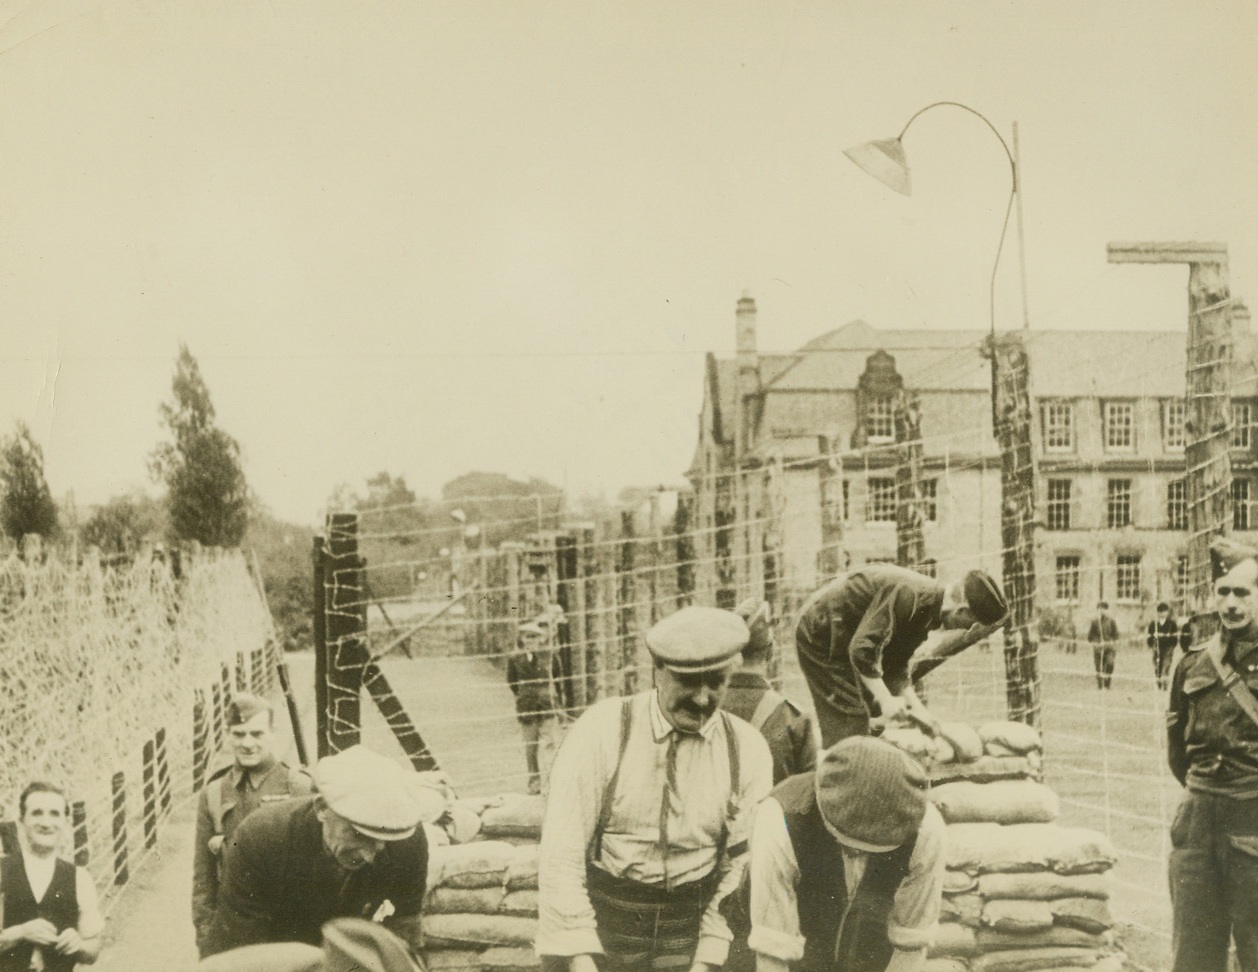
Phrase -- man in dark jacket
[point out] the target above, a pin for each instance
(787, 730)
(1212, 748)
(1103, 636)
(1163, 636)
(355, 850)
(532, 672)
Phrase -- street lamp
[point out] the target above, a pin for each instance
(884, 159)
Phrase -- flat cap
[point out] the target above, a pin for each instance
(372, 792)
(871, 795)
(697, 639)
(357, 945)
(986, 602)
(244, 707)
(1226, 554)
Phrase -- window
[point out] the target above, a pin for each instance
(1242, 425)
(1181, 577)
(1118, 503)
(1173, 413)
(1120, 426)
(1127, 587)
(1059, 426)
(1176, 505)
(930, 501)
(880, 419)
(1068, 580)
(880, 507)
(1058, 504)
(1241, 510)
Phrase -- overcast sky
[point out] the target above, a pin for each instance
(438, 237)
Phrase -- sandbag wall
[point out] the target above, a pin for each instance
(1021, 892)
(480, 912)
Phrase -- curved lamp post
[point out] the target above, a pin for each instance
(884, 159)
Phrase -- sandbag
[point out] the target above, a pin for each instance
(522, 871)
(992, 940)
(1077, 850)
(988, 768)
(965, 909)
(519, 903)
(459, 931)
(480, 864)
(1040, 885)
(964, 740)
(944, 753)
(983, 848)
(959, 882)
(1035, 959)
(954, 939)
(1003, 802)
(462, 822)
(517, 815)
(1086, 914)
(912, 741)
(1017, 737)
(451, 960)
(1007, 915)
(501, 959)
(453, 901)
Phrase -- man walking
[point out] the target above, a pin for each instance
(650, 810)
(532, 672)
(1212, 748)
(1163, 636)
(1103, 636)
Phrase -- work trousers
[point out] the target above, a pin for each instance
(1162, 656)
(1103, 660)
(1214, 882)
(539, 748)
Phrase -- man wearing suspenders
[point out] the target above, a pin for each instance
(649, 814)
(787, 730)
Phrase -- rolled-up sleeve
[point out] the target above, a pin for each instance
(915, 911)
(774, 882)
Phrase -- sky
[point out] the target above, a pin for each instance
(431, 238)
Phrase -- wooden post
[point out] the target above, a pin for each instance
(149, 784)
(608, 619)
(566, 580)
(726, 568)
(346, 629)
(200, 742)
(318, 560)
(683, 530)
(910, 542)
(830, 491)
(581, 627)
(78, 821)
(654, 551)
(399, 722)
(1011, 414)
(1208, 407)
(627, 610)
(119, 823)
(163, 770)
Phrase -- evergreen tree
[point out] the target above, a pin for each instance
(26, 506)
(207, 496)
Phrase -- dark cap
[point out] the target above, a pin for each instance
(872, 795)
(697, 639)
(759, 625)
(1226, 554)
(244, 707)
(1163, 606)
(986, 602)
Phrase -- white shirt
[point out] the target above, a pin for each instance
(630, 844)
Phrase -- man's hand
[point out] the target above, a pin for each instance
(216, 844)
(37, 931)
(894, 708)
(924, 719)
(582, 963)
(69, 942)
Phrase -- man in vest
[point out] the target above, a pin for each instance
(789, 732)
(52, 920)
(857, 635)
(254, 778)
(847, 865)
(650, 808)
(1212, 748)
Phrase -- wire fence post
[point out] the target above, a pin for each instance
(830, 494)
(910, 542)
(1011, 416)
(723, 538)
(684, 541)
(345, 608)
(627, 609)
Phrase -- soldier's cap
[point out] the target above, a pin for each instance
(244, 707)
(1226, 554)
(697, 639)
(530, 628)
(758, 616)
(375, 795)
(983, 596)
(872, 796)
(349, 945)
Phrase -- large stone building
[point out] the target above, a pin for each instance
(794, 471)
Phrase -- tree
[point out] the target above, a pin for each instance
(26, 506)
(207, 495)
(124, 523)
(283, 552)
(505, 508)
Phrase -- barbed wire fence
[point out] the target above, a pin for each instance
(116, 681)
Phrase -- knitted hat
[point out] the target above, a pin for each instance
(357, 945)
(983, 596)
(697, 639)
(1226, 554)
(872, 795)
(267, 957)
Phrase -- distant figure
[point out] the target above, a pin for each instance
(789, 733)
(1103, 635)
(1163, 636)
(532, 671)
(52, 920)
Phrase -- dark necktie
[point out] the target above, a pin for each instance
(666, 801)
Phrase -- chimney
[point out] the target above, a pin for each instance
(745, 333)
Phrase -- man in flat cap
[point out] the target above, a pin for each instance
(857, 635)
(354, 849)
(255, 776)
(1103, 636)
(847, 865)
(533, 671)
(788, 731)
(1212, 747)
(649, 812)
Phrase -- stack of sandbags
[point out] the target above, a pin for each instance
(480, 912)
(1021, 893)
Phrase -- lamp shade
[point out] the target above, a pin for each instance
(884, 160)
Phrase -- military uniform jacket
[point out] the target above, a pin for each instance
(231, 795)
(280, 885)
(1212, 744)
(788, 731)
